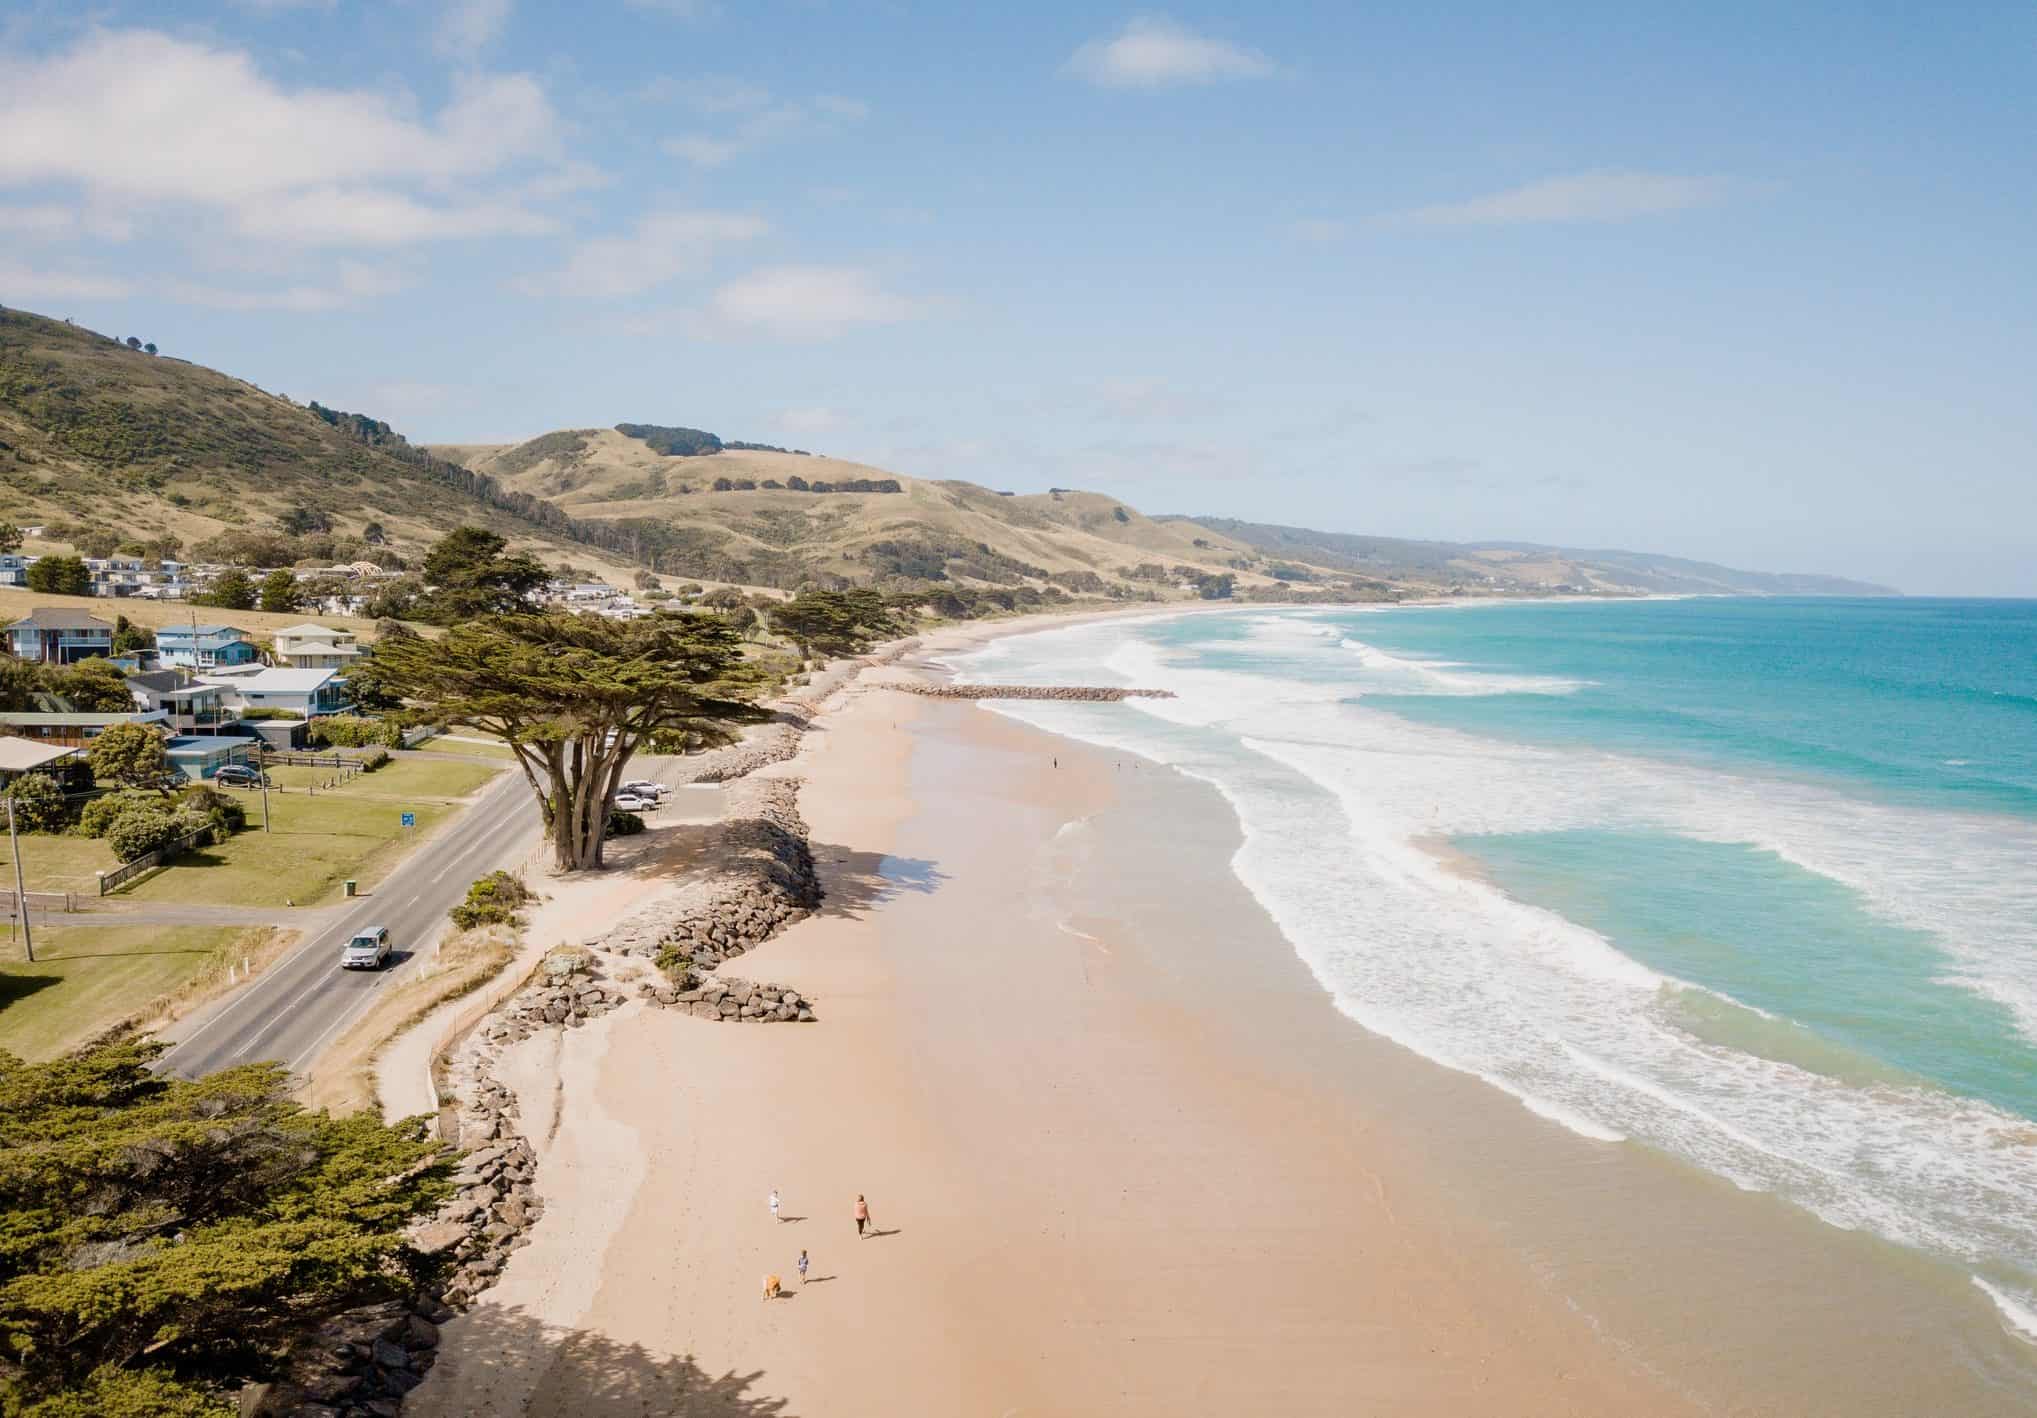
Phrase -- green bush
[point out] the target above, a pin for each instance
(39, 804)
(136, 834)
(493, 900)
(255, 716)
(622, 824)
(220, 809)
(374, 758)
(353, 731)
(99, 815)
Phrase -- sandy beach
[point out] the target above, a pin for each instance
(1085, 1200)
(1123, 1157)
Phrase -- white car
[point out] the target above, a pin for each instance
(645, 788)
(368, 950)
(630, 802)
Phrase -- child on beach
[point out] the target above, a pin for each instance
(802, 1267)
(774, 1203)
(862, 1215)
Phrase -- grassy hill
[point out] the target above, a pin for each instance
(98, 435)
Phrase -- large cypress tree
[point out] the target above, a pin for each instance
(574, 696)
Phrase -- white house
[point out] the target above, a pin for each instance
(306, 693)
(315, 647)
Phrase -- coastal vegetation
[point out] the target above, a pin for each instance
(166, 1241)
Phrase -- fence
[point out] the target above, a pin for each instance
(38, 901)
(149, 861)
(291, 759)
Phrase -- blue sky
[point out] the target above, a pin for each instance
(1742, 282)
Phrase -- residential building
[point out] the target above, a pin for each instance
(315, 647)
(204, 647)
(73, 729)
(19, 756)
(307, 693)
(58, 636)
(192, 707)
(199, 757)
(14, 568)
(117, 575)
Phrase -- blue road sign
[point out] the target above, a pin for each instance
(410, 819)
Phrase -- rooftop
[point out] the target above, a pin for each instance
(17, 755)
(60, 618)
(273, 681)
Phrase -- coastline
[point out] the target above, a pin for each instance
(1132, 1158)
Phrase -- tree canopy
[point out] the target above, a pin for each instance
(234, 590)
(60, 576)
(574, 696)
(129, 754)
(469, 572)
(280, 592)
(161, 1239)
(835, 622)
(92, 686)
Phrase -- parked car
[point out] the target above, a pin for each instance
(631, 802)
(368, 950)
(645, 788)
(239, 775)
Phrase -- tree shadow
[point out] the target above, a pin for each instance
(14, 988)
(856, 880)
(501, 1359)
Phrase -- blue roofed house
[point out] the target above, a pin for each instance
(59, 636)
(204, 647)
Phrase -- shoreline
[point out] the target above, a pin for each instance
(1129, 1160)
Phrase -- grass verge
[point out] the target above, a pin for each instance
(88, 979)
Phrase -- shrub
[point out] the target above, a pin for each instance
(374, 758)
(622, 824)
(354, 731)
(493, 900)
(137, 833)
(39, 804)
(220, 809)
(254, 716)
(97, 817)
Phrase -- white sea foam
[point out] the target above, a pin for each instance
(2019, 1311)
(1332, 796)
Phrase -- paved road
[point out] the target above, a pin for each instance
(305, 1000)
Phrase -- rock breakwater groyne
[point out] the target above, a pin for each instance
(1093, 693)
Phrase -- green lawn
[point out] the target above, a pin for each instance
(316, 841)
(465, 748)
(88, 978)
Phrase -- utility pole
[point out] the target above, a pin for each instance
(20, 891)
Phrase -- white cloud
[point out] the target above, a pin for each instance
(178, 121)
(1585, 197)
(683, 9)
(662, 246)
(803, 303)
(19, 284)
(1153, 52)
(50, 221)
(710, 93)
(762, 122)
(469, 26)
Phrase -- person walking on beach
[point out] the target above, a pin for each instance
(862, 1215)
(802, 1268)
(774, 1204)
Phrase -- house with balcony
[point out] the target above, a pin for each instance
(14, 568)
(191, 707)
(204, 647)
(56, 635)
(315, 647)
(305, 693)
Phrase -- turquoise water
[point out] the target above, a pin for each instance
(1751, 882)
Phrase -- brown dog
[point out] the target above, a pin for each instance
(772, 1289)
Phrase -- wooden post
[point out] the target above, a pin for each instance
(20, 891)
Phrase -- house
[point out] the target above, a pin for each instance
(116, 575)
(314, 647)
(307, 693)
(14, 568)
(204, 647)
(59, 636)
(73, 729)
(19, 756)
(191, 707)
(200, 756)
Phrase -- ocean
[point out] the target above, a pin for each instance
(1751, 882)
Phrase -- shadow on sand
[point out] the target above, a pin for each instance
(501, 1360)
(857, 880)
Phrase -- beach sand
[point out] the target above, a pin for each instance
(1086, 1199)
